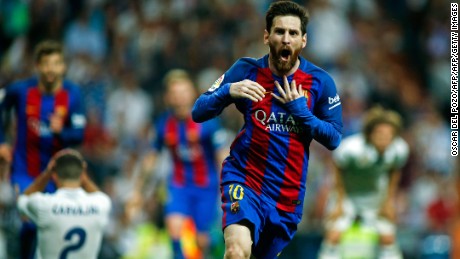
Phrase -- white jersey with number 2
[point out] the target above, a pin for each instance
(70, 222)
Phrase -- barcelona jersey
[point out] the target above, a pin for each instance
(193, 147)
(35, 144)
(270, 153)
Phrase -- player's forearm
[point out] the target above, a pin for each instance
(147, 169)
(39, 184)
(329, 134)
(210, 105)
(148, 162)
(395, 177)
(340, 189)
(88, 185)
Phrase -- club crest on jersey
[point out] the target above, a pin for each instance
(305, 93)
(193, 136)
(61, 110)
(217, 83)
(32, 110)
(235, 207)
(296, 202)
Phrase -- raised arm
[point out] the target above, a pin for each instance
(87, 184)
(39, 184)
(326, 124)
(211, 103)
(327, 131)
(232, 85)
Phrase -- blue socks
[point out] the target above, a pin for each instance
(177, 249)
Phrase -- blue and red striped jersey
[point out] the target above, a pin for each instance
(270, 153)
(35, 144)
(193, 148)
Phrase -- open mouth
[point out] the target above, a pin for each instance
(285, 54)
(50, 77)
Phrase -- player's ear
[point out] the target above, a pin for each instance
(266, 36)
(304, 40)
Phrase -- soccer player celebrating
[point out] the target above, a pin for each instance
(367, 175)
(71, 220)
(49, 117)
(196, 151)
(286, 102)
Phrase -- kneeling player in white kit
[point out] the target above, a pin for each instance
(367, 175)
(70, 221)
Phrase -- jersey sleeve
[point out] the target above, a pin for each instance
(105, 206)
(8, 97)
(341, 156)
(325, 122)
(72, 133)
(158, 141)
(33, 206)
(219, 136)
(211, 103)
(401, 149)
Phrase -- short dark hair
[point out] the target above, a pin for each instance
(47, 47)
(284, 8)
(69, 167)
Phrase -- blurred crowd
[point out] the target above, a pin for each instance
(396, 53)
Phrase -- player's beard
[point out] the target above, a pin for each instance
(283, 66)
(50, 81)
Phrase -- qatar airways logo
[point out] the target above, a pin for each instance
(278, 121)
(189, 152)
(38, 127)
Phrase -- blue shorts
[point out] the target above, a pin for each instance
(271, 229)
(201, 204)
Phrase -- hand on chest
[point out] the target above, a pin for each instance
(45, 114)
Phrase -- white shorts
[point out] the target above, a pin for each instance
(367, 208)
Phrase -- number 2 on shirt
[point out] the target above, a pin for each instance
(236, 193)
(81, 235)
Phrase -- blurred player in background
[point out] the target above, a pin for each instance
(70, 221)
(367, 175)
(196, 151)
(286, 102)
(49, 117)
